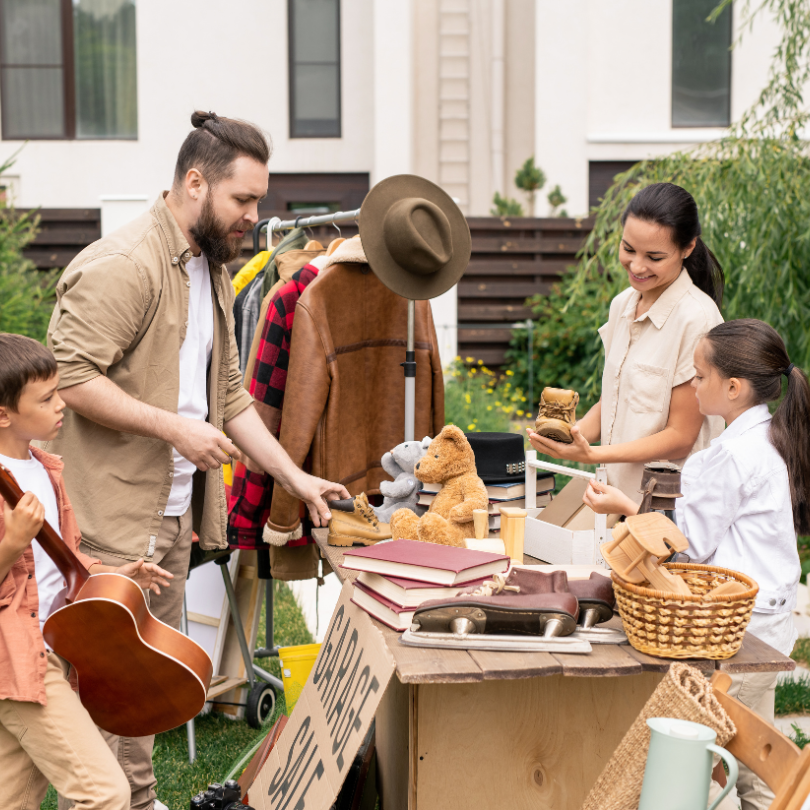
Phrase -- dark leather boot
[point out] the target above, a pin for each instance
(525, 603)
(596, 599)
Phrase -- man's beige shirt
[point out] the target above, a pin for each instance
(645, 358)
(122, 311)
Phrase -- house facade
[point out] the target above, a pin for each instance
(95, 95)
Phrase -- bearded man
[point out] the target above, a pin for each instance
(143, 335)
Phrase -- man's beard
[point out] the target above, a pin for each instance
(211, 235)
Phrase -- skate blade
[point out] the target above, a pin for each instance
(474, 641)
(464, 620)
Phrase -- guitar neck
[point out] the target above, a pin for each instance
(64, 559)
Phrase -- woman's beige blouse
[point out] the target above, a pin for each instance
(645, 358)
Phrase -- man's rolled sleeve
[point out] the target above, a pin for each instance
(99, 311)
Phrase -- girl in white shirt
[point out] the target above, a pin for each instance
(747, 496)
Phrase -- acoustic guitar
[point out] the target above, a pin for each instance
(137, 675)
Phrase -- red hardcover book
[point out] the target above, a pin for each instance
(396, 617)
(426, 562)
(409, 593)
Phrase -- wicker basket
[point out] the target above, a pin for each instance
(674, 626)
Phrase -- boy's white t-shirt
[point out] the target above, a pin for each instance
(195, 355)
(33, 477)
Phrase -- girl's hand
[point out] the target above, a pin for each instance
(607, 500)
(578, 450)
(22, 524)
(146, 576)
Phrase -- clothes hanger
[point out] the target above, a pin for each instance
(313, 244)
(337, 242)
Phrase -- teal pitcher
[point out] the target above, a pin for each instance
(679, 766)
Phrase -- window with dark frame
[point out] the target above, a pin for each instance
(314, 53)
(701, 65)
(68, 69)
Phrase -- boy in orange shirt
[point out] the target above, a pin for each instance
(46, 735)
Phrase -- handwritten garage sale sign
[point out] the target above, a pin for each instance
(307, 767)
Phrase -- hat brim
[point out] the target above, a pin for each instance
(399, 279)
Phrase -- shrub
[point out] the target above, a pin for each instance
(567, 350)
(26, 295)
(505, 207)
(478, 401)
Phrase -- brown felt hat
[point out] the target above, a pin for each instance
(415, 237)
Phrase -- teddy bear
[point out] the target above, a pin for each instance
(449, 461)
(403, 491)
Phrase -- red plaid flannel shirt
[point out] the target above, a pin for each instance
(252, 493)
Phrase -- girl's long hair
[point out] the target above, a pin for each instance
(675, 208)
(752, 350)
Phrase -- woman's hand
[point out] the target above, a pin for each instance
(146, 576)
(607, 500)
(578, 450)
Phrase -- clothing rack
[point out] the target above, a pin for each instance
(274, 225)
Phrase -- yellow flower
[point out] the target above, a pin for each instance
(489, 407)
(520, 413)
(470, 427)
(510, 373)
(467, 398)
(498, 404)
(473, 370)
(480, 362)
(457, 358)
(523, 399)
(469, 359)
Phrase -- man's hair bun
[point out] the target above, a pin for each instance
(198, 118)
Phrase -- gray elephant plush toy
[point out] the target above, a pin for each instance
(403, 491)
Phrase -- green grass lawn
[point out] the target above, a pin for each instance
(221, 742)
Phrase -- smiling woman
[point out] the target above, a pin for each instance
(648, 411)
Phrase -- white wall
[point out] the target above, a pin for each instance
(213, 59)
(603, 86)
(392, 46)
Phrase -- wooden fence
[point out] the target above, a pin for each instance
(513, 258)
(63, 233)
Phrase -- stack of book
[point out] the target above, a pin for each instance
(396, 577)
(500, 495)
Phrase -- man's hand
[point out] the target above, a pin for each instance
(607, 500)
(22, 524)
(315, 492)
(578, 450)
(202, 444)
(146, 576)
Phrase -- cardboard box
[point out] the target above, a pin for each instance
(567, 531)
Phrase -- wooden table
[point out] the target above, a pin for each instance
(463, 729)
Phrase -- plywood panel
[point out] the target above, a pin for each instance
(392, 741)
(525, 744)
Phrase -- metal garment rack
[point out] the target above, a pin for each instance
(275, 225)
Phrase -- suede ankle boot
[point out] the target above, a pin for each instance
(558, 413)
(354, 522)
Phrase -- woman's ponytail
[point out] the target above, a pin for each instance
(789, 436)
(675, 208)
(752, 350)
(706, 272)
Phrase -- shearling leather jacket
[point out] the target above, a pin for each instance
(345, 393)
